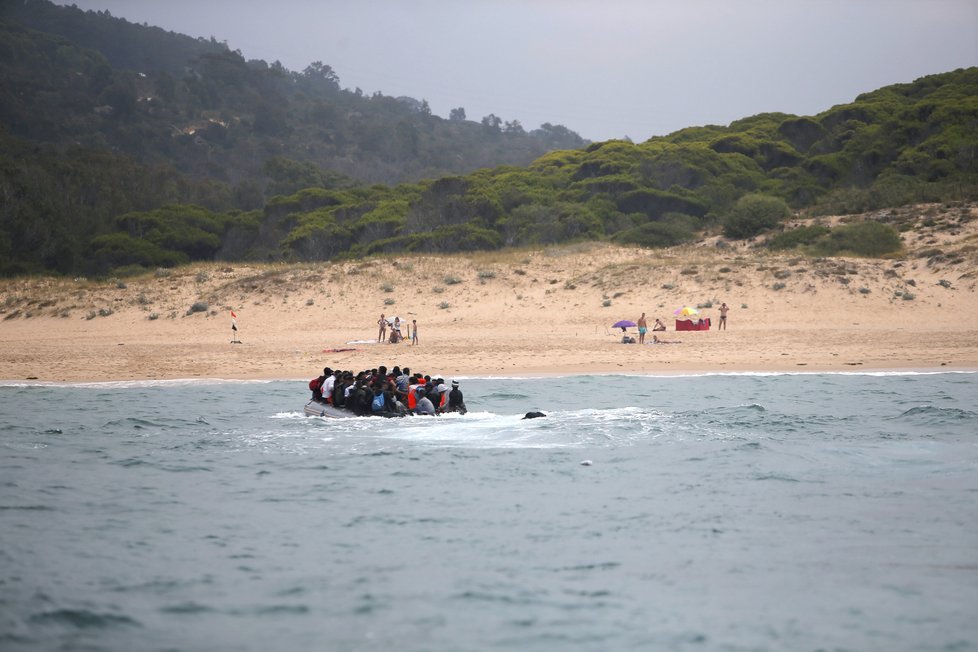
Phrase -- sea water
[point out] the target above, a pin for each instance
(711, 512)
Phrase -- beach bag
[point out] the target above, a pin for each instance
(377, 405)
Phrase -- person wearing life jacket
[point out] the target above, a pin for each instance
(412, 395)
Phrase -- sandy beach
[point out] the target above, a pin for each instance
(512, 313)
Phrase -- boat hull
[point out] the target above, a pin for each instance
(317, 409)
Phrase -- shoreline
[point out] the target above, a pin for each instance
(149, 382)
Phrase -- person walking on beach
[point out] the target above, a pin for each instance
(414, 332)
(382, 323)
(643, 328)
(723, 316)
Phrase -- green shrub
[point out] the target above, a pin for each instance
(674, 229)
(803, 235)
(753, 214)
(867, 238)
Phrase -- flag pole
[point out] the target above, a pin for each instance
(234, 329)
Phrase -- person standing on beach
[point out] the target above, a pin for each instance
(414, 332)
(382, 323)
(643, 328)
(723, 316)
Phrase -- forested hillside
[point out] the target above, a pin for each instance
(99, 117)
(119, 160)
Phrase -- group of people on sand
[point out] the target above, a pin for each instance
(378, 392)
(643, 328)
(395, 326)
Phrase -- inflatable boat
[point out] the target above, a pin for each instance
(317, 409)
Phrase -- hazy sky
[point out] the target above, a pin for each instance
(604, 69)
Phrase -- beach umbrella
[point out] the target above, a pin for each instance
(624, 323)
(686, 311)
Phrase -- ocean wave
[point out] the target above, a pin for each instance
(83, 619)
(933, 416)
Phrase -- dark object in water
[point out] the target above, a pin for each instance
(534, 415)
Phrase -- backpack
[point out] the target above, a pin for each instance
(377, 405)
(316, 383)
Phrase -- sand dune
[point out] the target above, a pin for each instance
(526, 312)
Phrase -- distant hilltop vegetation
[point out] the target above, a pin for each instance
(126, 147)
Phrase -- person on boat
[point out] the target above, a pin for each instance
(391, 404)
(360, 397)
(377, 404)
(425, 406)
(435, 392)
(412, 395)
(316, 385)
(339, 389)
(456, 402)
(329, 384)
(403, 380)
